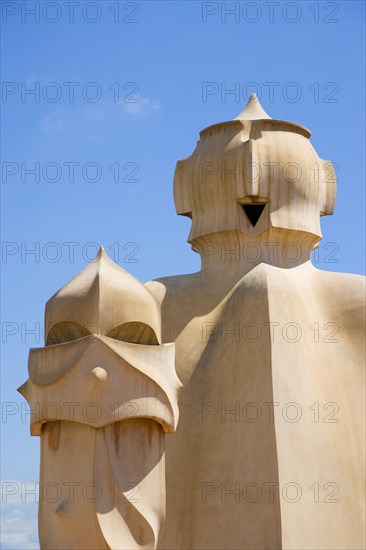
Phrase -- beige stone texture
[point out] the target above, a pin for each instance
(103, 393)
(270, 447)
(269, 451)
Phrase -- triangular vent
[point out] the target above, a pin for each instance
(253, 211)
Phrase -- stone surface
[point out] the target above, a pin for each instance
(270, 351)
(269, 449)
(103, 392)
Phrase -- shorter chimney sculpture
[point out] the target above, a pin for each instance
(103, 393)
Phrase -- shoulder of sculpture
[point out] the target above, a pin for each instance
(164, 286)
(352, 283)
(342, 297)
(340, 286)
(261, 276)
(157, 289)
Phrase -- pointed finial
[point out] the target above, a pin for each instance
(253, 110)
(101, 253)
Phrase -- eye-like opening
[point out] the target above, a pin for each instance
(66, 332)
(135, 333)
(253, 212)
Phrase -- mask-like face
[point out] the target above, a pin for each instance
(254, 175)
(103, 347)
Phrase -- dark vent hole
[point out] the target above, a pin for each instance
(253, 211)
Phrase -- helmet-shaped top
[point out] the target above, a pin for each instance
(253, 174)
(103, 299)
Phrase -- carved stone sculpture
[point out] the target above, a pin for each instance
(269, 450)
(102, 393)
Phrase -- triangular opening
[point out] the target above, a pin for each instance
(253, 211)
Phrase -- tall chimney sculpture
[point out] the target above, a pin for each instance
(269, 451)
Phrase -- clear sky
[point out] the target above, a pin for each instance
(120, 93)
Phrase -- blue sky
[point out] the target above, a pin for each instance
(121, 91)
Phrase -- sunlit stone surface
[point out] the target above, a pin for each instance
(269, 449)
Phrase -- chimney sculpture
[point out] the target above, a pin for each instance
(269, 450)
(103, 392)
